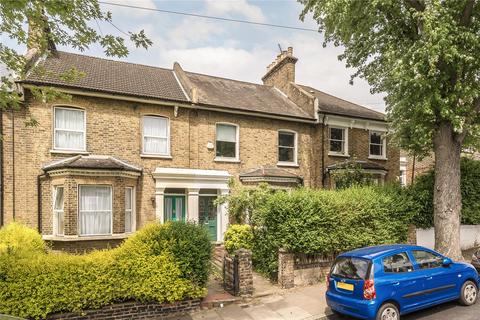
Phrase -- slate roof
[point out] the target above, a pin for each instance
(240, 95)
(91, 162)
(366, 165)
(110, 76)
(268, 172)
(333, 105)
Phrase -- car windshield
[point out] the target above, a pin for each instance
(351, 268)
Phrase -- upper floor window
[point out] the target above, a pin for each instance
(287, 147)
(377, 144)
(226, 145)
(95, 210)
(69, 129)
(338, 141)
(156, 135)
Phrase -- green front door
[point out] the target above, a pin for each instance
(207, 213)
(174, 208)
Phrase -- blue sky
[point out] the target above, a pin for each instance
(235, 50)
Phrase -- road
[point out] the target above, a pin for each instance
(448, 311)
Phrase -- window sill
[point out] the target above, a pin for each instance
(115, 236)
(377, 158)
(331, 154)
(155, 156)
(288, 164)
(53, 151)
(232, 160)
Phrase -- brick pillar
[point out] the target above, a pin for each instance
(412, 234)
(285, 269)
(245, 273)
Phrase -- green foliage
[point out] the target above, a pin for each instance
(244, 201)
(36, 283)
(420, 195)
(238, 236)
(324, 221)
(189, 244)
(424, 55)
(350, 176)
(19, 240)
(66, 23)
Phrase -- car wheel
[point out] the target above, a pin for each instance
(469, 293)
(388, 311)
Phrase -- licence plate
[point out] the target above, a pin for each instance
(345, 286)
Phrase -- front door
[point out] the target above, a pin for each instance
(207, 213)
(174, 208)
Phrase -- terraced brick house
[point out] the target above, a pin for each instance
(137, 143)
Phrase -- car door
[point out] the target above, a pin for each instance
(400, 281)
(439, 281)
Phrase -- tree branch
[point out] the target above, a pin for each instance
(466, 16)
(416, 4)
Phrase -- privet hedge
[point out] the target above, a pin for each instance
(322, 221)
(420, 195)
(238, 236)
(147, 267)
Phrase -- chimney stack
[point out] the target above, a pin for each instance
(281, 71)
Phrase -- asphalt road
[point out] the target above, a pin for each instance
(448, 311)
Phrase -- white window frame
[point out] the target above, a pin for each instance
(237, 143)
(133, 216)
(56, 211)
(78, 206)
(383, 156)
(168, 153)
(345, 142)
(295, 148)
(84, 149)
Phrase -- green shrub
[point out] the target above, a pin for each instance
(189, 244)
(238, 236)
(42, 283)
(420, 195)
(328, 222)
(17, 239)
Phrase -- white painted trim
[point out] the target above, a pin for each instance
(67, 238)
(59, 151)
(133, 217)
(345, 152)
(237, 143)
(70, 107)
(168, 103)
(180, 85)
(295, 148)
(168, 154)
(287, 164)
(154, 156)
(358, 123)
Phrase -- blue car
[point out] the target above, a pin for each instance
(384, 282)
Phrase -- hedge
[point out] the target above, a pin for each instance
(420, 195)
(326, 222)
(238, 236)
(35, 283)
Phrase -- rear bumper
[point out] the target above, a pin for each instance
(363, 309)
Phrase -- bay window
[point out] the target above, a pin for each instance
(69, 129)
(156, 136)
(95, 210)
(226, 141)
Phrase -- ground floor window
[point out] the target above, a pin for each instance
(58, 211)
(175, 208)
(95, 210)
(129, 209)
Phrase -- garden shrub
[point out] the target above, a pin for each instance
(17, 239)
(238, 236)
(326, 222)
(39, 284)
(420, 195)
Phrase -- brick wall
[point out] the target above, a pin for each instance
(133, 310)
(238, 273)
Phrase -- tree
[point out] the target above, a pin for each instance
(42, 24)
(425, 56)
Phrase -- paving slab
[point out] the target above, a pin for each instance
(206, 315)
(262, 312)
(293, 313)
(233, 312)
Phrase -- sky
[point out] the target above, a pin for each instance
(233, 50)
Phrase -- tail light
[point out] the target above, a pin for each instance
(369, 290)
(327, 281)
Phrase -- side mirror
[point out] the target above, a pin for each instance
(447, 262)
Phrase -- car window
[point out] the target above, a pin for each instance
(397, 263)
(350, 267)
(426, 259)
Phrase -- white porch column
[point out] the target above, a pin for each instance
(192, 204)
(159, 203)
(222, 216)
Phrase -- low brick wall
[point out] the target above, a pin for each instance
(84, 246)
(238, 273)
(302, 269)
(132, 310)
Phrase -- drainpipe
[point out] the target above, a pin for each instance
(323, 151)
(39, 202)
(413, 168)
(13, 165)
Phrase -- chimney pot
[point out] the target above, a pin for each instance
(290, 51)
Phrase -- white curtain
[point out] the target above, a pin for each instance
(226, 133)
(69, 129)
(168, 209)
(95, 210)
(155, 135)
